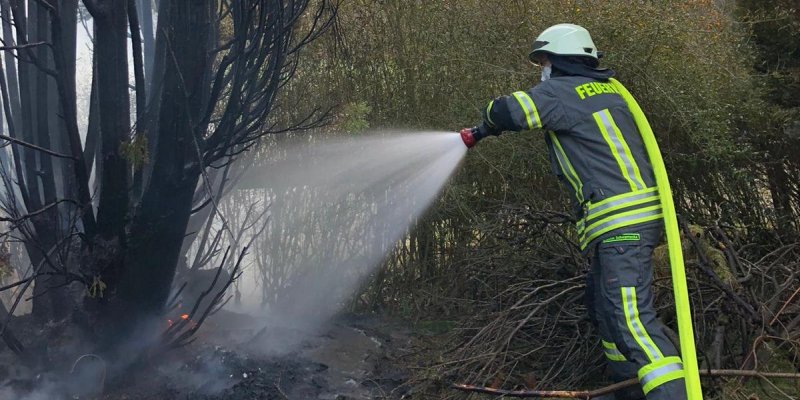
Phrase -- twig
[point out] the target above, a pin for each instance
(15, 284)
(23, 46)
(778, 314)
(17, 220)
(558, 394)
(175, 335)
(37, 148)
(705, 266)
(28, 283)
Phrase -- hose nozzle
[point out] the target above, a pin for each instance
(468, 137)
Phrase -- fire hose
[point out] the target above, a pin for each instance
(679, 287)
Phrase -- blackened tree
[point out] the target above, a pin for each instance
(110, 209)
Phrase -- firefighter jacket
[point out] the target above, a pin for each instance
(595, 149)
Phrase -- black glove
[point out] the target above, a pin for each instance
(483, 130)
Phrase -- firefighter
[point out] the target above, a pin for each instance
(597, 152)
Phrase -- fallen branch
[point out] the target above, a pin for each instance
(558, 394)
(593, 394)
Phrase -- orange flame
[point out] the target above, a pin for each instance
(184, 316)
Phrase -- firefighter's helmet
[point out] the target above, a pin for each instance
(564, 40)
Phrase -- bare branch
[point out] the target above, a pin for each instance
(175, 336)
(27, 284)
(37, 148)
(261, 57)
(17, 220)
(23, 46)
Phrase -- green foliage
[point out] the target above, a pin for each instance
(354, 117)
(704, 252)
(775, 29)
(135, 151)
(715, 79)
(434, 65)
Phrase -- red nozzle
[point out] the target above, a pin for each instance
(468, 137)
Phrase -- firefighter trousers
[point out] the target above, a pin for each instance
(620, 303)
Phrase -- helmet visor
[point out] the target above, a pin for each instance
(536, 56)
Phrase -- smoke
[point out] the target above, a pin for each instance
(47, 393)
(337, 206)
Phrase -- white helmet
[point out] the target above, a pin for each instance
(564, 40)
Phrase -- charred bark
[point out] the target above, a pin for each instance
(141, 97)
(50, 300)
(111, 19)
(145, 8)
(63, 45)
(193, 119)
(11, 66)
(91, 147)
(159, 225)
(34, 167)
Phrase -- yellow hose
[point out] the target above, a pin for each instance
(682, 305)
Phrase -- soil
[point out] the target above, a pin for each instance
(236, 358)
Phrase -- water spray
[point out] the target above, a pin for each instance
(341, 204)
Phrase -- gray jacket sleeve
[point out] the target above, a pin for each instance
(535, 108)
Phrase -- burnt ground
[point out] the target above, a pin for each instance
(237, 358)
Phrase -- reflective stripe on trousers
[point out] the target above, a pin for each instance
(636, 326)
(660, 372)
(619, 287)
(612, 353)
(617, 212)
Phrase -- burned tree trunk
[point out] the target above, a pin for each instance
(50, 300)
(185, 39)
(37, 114)
(145, 8)
(111, 18)
(110, 89)
(202, 100)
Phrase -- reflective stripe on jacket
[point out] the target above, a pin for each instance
(595, 150)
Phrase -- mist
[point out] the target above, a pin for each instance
(335, 208)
